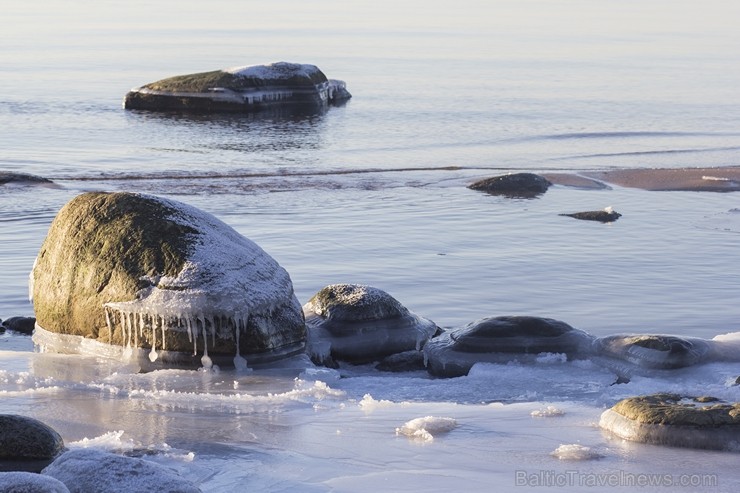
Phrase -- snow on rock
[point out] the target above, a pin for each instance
(165, 279)
(547, 412)
(424, 429)
(28, 482)
(359, 324)
(85, 470)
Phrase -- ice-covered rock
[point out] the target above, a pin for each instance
(359, 324)
(27, 444)
(676, 420)
(86, 470)
(516, 185)
(241, 89)
(426, 428)
(134, 275)
(503, 339)
(636, 354)
(29, 482)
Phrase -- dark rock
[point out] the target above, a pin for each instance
(241, 90)
(503, 339)
(605, 216)
(164, 278)
(29, 482)
(27, 444)
(675, 420)
(11, 177)
(400, 362)
(88, 470)
(515, 185)
(24, 325)
(360, 324)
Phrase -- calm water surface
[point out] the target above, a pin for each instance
(375, 192)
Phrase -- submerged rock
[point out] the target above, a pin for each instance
(29, 482)
(359, 324)
(241, 89)
(146, 276)
(607, 215)
(503, 339)
(86, 470)
(515, 185)
(11, 177)
(27, 444)
(632, 354)
(675, 420)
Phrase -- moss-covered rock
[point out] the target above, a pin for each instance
(139, 271)
(676, 420)
(241, 89)
(359, 324)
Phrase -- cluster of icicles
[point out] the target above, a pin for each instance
(135, 323)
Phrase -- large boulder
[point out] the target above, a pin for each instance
(151, 276)
(676, 420)
(27, 444)
(86, 470)
(501, 340)
(360, 324)
(241, 89)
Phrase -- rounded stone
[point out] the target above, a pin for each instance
(642, 353)
(24, 325)
(359, 324)
(86, 470)
(524, 185)
(29, 482)
(676, 420)
(503, 339)
(604, 216)
(27, 444)
(11, 177)
(162, 280)
(241, 89)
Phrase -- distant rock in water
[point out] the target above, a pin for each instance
(676, 420)
(241, 90)
(11, 177)
(87, 470)
(515, 185)
(606, 215)
(503, 339)
(27, 444)
(359, 324)
(146, 276)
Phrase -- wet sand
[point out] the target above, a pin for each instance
(726, 179)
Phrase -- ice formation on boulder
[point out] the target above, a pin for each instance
(241, 89)
(359, 324)
(147, 273)
(504, 339)
(424, 429)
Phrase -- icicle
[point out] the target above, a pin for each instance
(205, 360)
(188, 323)
(109, 324)
(161, 323)
(153, 352)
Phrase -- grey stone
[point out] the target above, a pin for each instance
(515, 185)
(29, 482)
(27, 444)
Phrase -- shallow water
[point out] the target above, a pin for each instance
(374, 192)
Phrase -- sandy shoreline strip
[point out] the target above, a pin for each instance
(725, 179)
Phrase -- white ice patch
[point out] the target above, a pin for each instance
(547, 412)
(111, 441)
(275, 70)
(426, 428)
(368, 404)
(575, 451)
(551, 358)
